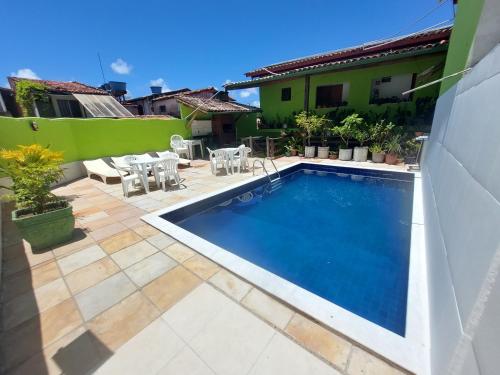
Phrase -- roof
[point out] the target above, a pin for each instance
(205, 92)
(61, 87)
(161, 95)
(213, 105)
(371, 49)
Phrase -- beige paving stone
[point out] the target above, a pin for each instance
(186, 362)
(90, 275)
(283, 356)
(150, 268)
(80, 240)
(201, 266)
(268, 308)
(120, 241)
(117, 325)
(23, 341)
(363, 363)
(133, 254)
(146, 231)
(22, 282)
(132, 222)
(92, 217)
(230, 284)
(128, 213)
(107, 231)
(161, 241)
(97, 224)
(94, 300)
(80, 259)
(33, 302)
(145, 353)
(169, 288)
(179, 252)
(25, 261)
(319, 340)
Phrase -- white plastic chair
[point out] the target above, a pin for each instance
(167, 171)
(218, 159)
(178, 145)
(129, 176)
(240, 158)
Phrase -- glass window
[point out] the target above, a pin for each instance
(329, 96)
(163, 108)
(389, 89)
(286, 94)
(69, 108)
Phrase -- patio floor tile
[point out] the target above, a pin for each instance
(80, 240)
(150, 268)
(32, 303)
(146, 231)
(120, 241)
(186, 362)
(230, 284)
(31, 336)
(31, 279)
(169, 288)
(90, 275)
(107, 231)
(363, 363)
(268, 308)
(201, 266)
(145, 353)
(319, 340)
(133, 254)
(193, 312)
(161, 241)
(80, 259)
(283, 356)
(101, 296)
(179, 252)
(231, 342)
(25, 261)
(117, 325)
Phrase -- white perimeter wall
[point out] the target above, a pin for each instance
(461, 178)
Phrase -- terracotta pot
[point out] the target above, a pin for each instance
(293, 152)
(419, 134)
(333, 156)
(391, 159)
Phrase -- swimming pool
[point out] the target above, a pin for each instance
(340, 233)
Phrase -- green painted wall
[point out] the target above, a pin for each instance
(360, 81)
(82, 139)
(462, 36)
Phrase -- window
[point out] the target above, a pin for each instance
(329, 96)
(3, 108)
(286, 94)
(389, 89)
(69, 108)
(163, 108)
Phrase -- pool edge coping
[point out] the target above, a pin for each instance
(410, 352)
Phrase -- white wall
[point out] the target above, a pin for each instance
(461, 176)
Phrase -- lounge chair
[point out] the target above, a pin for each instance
(99, 167)
(179, 146)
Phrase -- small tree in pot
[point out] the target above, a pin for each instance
(379, 133)
(393, 149)
(42, 218)
(346, 132)
(362, 135)
(310, 124)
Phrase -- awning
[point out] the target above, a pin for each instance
(102, 106)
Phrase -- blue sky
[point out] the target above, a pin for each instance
(190, 43)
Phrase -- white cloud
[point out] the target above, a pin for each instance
(25, 73)
(120, 66)
(247, 92)
(227, 81)
(160, 82)
(255, 103)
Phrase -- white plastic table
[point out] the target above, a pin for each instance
(142, 161)
(229, 151)
(191, 143)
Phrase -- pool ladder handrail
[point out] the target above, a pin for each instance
(262, 162)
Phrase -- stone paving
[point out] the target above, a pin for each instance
(124, 298)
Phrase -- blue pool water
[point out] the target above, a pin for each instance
(342, 236)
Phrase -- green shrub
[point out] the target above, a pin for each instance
(28, 93)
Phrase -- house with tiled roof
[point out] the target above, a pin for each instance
(371, 77)
(73, 99)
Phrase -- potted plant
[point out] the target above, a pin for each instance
(334, 155)
(360, 133)
(378, 153)
(393, 149)
(310, 124)
(324, 149)
(345, 132)
(300, 150)
(42, 218)
(292, 145)
(379, 133)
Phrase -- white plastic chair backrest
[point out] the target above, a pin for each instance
(176, 141)
(244, 152)
(218, 155)
(169, 164)
(166, 154)
(121, 171)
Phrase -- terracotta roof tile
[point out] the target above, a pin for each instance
(61, 87)
(215, 105)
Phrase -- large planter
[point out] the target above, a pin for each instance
(47, 229)
(391, 159)
(309, 151)
(378, 157)
(360, 153)
(323, 152)
(345, 154)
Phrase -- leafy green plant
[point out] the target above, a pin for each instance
(28, 93)
(380, 132)
(292, 144)
(310, 124)
(33, 169)
(376, 148)
(393, 145)
(348, 128)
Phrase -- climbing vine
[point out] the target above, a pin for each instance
(28, 93)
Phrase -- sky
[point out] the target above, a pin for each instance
(194, 44)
